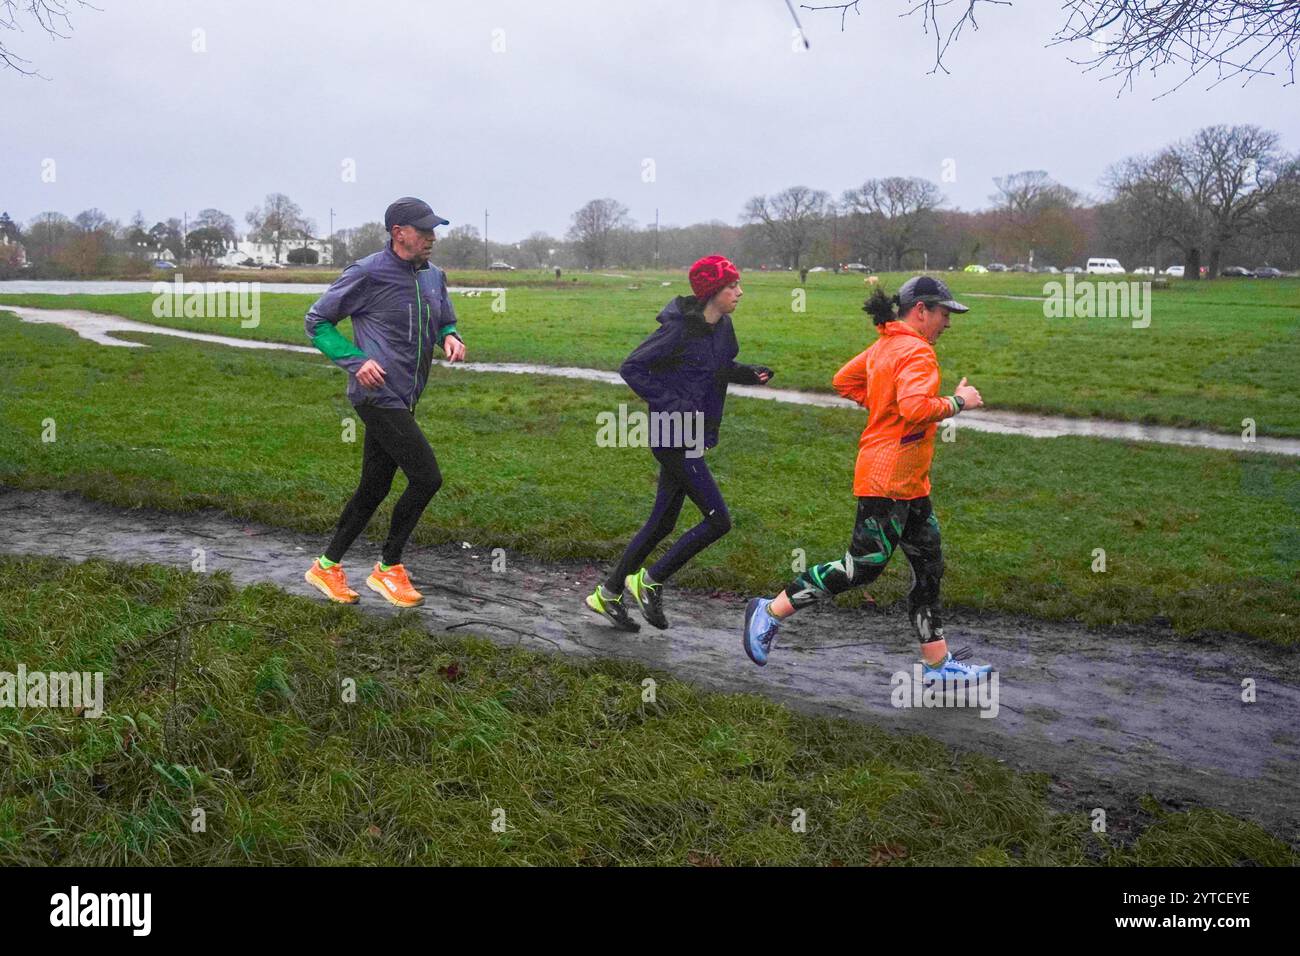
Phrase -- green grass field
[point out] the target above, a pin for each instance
(232, 702)
(1215, 353)
(1205, 539)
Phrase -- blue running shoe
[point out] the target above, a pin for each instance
(953, 669)
(760, 630)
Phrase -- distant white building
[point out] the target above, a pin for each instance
(263, 253)
(12, 254)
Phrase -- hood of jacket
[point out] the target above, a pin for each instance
(689, 310)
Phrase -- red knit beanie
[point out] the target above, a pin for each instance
(710, 274)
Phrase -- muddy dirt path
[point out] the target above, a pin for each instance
(1110, 715)
(101, 328)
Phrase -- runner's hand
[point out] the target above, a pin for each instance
(968, 394)
(454, 348)
(371, 374)
(762, 373)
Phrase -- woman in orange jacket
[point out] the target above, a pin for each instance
(897, 380)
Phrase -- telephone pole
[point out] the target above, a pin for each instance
(485, 245)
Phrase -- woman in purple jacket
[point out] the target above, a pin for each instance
(682, 371)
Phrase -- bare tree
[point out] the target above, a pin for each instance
(460, 248)
(1021, 195)
(1225, 38)
(94, 220)
(218, 220)
(47, 233)
(278, 219)
(537, 247)
(594, 228)
(54, 17)
(789, 219)
(1032, 214)
(888, 217)
(349, 245)
(1150, 211)
(1279, 228)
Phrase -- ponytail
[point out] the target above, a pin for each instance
(880, 306)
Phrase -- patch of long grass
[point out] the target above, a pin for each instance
(230, 737)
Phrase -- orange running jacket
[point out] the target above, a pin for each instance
(897, 380)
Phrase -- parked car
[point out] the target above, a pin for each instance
(1268, 272)
(1103, 267)
(1052, 270)
(975, 267)
(1144, 271)
(500, 266)
(856, 267)
(1175, 271)
(1237, 272)
(163, 264)
(817, 269)
(1072, 270)
(997, 267)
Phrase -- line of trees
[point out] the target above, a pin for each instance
(1226, 192)
(1227, 195)
(92, 244)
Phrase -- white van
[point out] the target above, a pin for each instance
(1104, 266)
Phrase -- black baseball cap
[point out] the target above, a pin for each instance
(409, 211)
(930, 291)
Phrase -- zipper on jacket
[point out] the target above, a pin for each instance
(419, 342)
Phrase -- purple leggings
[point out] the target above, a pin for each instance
(679, 478)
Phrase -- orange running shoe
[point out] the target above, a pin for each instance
(332, 582)
(394, 585)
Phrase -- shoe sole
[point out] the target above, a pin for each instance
(631, 627)
(389, 596)
(744, 637)
(975, 676)
(641, 607)
(320, 586)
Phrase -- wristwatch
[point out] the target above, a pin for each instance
(961, 402)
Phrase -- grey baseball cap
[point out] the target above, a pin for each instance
(409, 211)
(930, 291)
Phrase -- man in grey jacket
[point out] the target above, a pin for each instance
(400, 310)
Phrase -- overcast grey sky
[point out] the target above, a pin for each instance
(584, 91)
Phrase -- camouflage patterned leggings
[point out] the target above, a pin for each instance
(884, 524)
